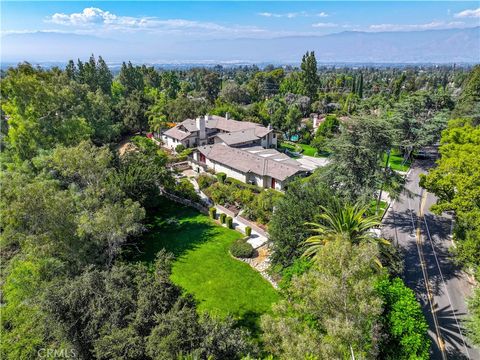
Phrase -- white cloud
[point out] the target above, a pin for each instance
(291, 15)
(407, 27)
(324, 25)
(93, 20)
(470, 13)
(88, 16)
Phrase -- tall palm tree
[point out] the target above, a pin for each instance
(350, 223)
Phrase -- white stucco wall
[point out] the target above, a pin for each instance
(269, 141)
(169, 142)
(172, 143)
(229, 171)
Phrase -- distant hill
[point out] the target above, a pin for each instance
(437, 46)
(453, 45)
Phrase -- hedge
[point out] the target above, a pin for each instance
(229, 222)
(221, 177)
(241, 249)
(248, 231)
(222, 218)
(213, 212)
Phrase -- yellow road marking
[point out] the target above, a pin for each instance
(433, 307)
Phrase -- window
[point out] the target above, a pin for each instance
(274, 135)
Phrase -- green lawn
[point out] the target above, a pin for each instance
(396, 161)
(373, 207)
(307, 149)
(203, 266)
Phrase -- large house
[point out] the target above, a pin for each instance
(256, 165)
(212, 129)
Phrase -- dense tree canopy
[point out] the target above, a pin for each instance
(74, 199)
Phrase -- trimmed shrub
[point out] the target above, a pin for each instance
(241, 249)
(213, 212)
(229, 222)
(179, 148)
(222, 218)
(248, 231)
(221, 177)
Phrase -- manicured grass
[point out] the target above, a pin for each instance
(396, 161)
(203, 266)
(307, 149)
(373, 207)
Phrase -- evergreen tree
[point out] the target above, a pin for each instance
(71, 70)
(360, 86)
(309, 75)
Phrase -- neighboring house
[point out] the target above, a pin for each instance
(210, 129)
(266, 168)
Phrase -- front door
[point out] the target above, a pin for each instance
(273, 183)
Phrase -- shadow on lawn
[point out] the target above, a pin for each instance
(251, 321)
(172, 227)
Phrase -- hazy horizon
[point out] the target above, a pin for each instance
(242, 32)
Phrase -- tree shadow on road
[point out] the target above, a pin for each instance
(447, 318)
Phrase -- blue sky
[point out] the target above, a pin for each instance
(225, 20)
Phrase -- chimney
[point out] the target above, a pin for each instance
(226, 115)
(200, 123)
(269, 127)
(315, 121)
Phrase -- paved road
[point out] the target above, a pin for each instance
(440, 286)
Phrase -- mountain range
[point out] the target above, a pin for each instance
(429, 46)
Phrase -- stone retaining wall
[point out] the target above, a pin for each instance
(203, 209)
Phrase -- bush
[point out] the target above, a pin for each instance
(261, 208)
(248, 231)
(220, 193)
(179, 148)
(205, 180)
(241, 249)
(241, 185)
(229, 222)
(299, 266)
(144, 144)
(213, 212)
(182, 156)
(184, 188)
(222, 218)
(221, 177)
